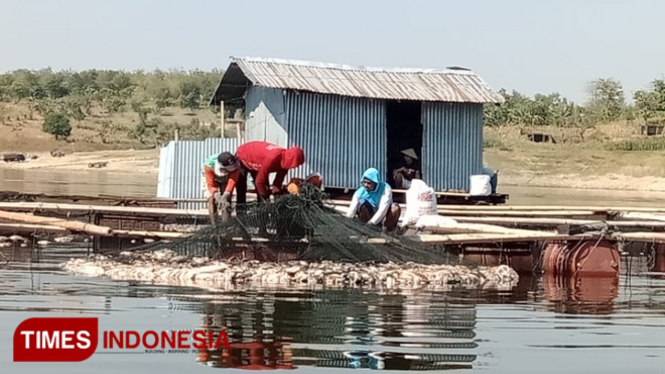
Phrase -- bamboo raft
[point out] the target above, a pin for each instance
(475, 224)
(489, 233)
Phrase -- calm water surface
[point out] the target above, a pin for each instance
(84, 183)
(546, 326)
(543, 325)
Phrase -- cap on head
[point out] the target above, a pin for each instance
(228, 161)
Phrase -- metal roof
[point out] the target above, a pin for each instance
(447, 85)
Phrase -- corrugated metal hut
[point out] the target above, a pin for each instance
(348, 119)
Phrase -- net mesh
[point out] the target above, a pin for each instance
(305, 227)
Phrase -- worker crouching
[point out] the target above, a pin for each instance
(372, 203)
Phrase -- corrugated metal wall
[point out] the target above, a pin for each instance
(341, 136)
(452, 144)
(265, 116)
(165, 173)
(183, 162)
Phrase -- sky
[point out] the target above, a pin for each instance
(532, 46)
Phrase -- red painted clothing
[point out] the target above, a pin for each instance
(264, 158)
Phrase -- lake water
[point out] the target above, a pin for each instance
(542, 325)
(88, 183)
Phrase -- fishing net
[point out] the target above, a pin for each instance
(301, 227)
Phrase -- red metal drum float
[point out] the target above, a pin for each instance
(584, 258)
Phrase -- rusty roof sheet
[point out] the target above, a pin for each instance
(449, 85)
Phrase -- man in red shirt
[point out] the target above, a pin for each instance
(260, 159)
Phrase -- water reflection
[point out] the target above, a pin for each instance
(581, 295)
(507, 330)
(342, 329)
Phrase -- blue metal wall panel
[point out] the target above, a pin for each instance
(183, 160)
(265, 116)
(341, 136)
(452, 144)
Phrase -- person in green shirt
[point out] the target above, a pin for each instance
(220, 173)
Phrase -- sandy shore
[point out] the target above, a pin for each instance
(145, 161)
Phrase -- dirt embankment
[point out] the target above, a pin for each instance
(593, 182)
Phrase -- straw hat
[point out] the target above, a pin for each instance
(410, 152)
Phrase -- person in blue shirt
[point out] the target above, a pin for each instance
(373, 203)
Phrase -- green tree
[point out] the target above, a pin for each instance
(659, 89)
(58, 125)
(55, 86)
(190, 95)
(162, 98)
(651, 103)
(607, 99)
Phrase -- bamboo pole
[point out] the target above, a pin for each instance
(644, 237)
(149, 234)
(177, 235)
(491, 238)
(29, 228)
(540, 221)
(548, 222)
(480, 211)
(523, 221)
(64, 208)
(222, 115)
(482, 228)
(531, 213)
(643, 216)
(553, 208)
(70, 225)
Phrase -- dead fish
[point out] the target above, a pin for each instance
(292, 270)
(4, 239)
(63, 239)
(167, 267)
(43, 242)
(16, 238)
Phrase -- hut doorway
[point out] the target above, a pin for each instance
(404, 130)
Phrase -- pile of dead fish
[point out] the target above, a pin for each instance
(14, 240)
(23, 242)
(166, 267)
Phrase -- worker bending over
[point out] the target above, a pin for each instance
(220, 173)
(260, 159)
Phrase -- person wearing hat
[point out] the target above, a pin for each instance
(221, 172)
(408, 169)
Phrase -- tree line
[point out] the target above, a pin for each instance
(606, 103)
(63, 95)
(111, 89)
